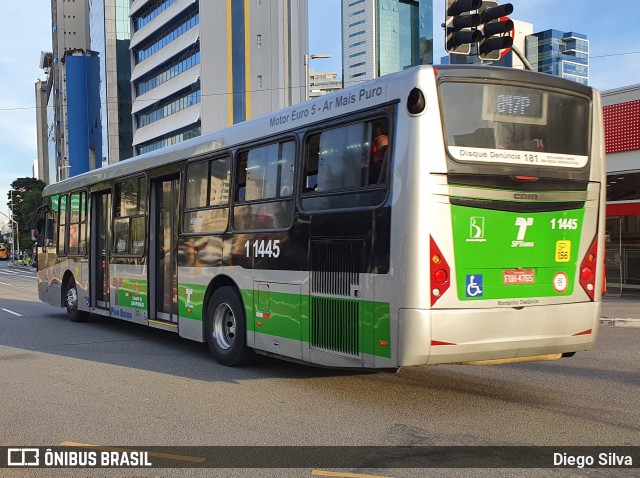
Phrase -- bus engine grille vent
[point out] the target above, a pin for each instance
(334, 325)
(335, 266)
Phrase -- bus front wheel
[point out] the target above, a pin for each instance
(71, 302)
(226, 328)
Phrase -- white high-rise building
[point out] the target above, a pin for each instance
(199, 66)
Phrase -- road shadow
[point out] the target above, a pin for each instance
(115, 342)
(118, 342)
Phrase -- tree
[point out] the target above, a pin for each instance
(27, 197)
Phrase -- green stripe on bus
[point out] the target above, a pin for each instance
(289, 316)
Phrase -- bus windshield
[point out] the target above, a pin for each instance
(498, 123)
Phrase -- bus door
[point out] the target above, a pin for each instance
(99, 264)
(163, 247)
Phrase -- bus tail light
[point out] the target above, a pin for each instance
(588, 269)
(440, 272)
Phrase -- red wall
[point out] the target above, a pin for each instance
(622, 126)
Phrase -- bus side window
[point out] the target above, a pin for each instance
(241, 177)
(311, 174)
(379, 152)
(347, 157)
(130, 201)
(50, 228)
(207, 196)
(264, 187)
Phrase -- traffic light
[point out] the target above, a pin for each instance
(494, 29)
(460, 25)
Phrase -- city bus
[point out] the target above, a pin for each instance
(448, 214)
(4, 251)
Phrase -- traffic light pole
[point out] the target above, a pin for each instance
(523, 58)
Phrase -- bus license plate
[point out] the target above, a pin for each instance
(518, 276)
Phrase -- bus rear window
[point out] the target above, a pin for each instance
(498, 123)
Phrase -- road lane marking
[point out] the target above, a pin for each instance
(19, 274)
(12, 312)
(344, 475)
(168, 456)
(4, 283)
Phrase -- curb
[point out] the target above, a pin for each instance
(618, 322)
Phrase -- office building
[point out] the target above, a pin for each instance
(384, 36)
(199, 66)
(110, 37)
(43, 94)
(563, 54)
(621, 109)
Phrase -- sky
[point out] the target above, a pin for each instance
(26, 31)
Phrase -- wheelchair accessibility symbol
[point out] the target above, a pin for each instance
(474, 286)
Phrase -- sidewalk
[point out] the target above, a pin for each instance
(621, 311)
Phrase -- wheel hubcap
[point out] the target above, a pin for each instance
(224, 326)
(72, 298)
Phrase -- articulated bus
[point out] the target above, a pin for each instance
(436, 215)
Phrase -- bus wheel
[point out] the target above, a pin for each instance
(226, 328)
(71, 298)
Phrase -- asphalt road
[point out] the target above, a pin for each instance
(114, 384)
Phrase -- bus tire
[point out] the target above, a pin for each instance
(226, 328)
(71, 303)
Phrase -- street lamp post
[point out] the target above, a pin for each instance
(308, 58)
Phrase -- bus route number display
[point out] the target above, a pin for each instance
(514, 105)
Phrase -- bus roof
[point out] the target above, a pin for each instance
(513, 74)
(362, 96)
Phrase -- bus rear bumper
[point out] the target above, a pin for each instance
(475, 335)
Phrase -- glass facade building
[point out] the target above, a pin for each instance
(562, 54)
(385, 36)
(110, 37)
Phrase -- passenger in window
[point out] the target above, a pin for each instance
(379, 146)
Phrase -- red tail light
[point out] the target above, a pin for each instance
(440, 272)
(588, 269)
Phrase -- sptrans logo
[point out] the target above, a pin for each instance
(523, 223)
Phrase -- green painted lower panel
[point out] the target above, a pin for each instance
(290, 316)
(508, 255)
